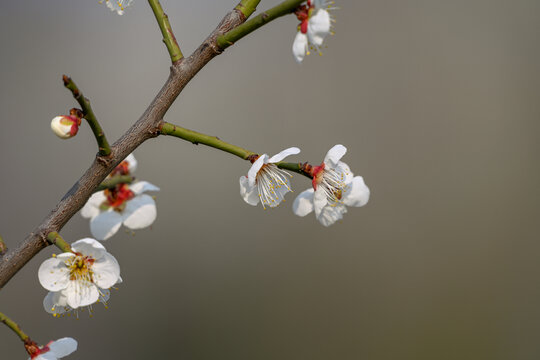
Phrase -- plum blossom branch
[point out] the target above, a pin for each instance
(103, 144)
(145, 128)
(286, 7)
(13, 326)
(247, 7)
(113, 181)
(55, 239)
(166, 30)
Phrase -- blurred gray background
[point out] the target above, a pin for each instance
(438, 104)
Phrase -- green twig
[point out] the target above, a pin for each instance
(55, 239)
(247, 7)
(166, 31)
(229, 38)
(302, 169)
(198, 138)
(103, 144)
(13, 326)
(113, 181)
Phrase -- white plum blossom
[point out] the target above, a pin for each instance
(125, 204)
(55, 349)
(265, 182)
(315, 25)
(117, 5)
(65, 126)
(80, 277)
(334, 188)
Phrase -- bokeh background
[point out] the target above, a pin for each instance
(438, 104)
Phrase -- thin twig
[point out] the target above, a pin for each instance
(166, 30)
(13, 326)
(247, 7)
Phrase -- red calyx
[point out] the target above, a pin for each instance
(119, 195)
(316, 173)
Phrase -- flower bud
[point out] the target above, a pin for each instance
(65, 126)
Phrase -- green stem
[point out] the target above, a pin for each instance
(198, 138)
(55, 239)
(3, 247)
(229, 38)
(103, 144)
(247, 7)
(299, 168)
(113, 181)
(13, 326)
(166, 31)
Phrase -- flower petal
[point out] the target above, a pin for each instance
(330, 214)
(319, 25)
(106, 271)
(345, 172)
(283, 154)
(105, 224)
(356, 193)
(248, 193)
(140, 212)
(63, 347)
(55, 303)
(334, 155)
(81, 294)
(257, 165)
(53, 274)
(319, 201)
(303, 204)
(91, 208)
(132, 162)
(300, 47)
(89, 247)
(142, 186)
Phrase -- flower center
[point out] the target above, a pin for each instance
(330, 181)
(80, 268)
(121, 169)
(269, 180)
(117, 196)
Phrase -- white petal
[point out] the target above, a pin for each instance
(319, 201)
(89, 247)
(282, 155)
(279, 192)
(91, 208)
(46, 356)
(105, 224)
(142, 186)
(132, 162)
(318, 27)
(53, 274)
(55, 302)
(345, 171)
(330, 214)
(356, 193)
(61, 130)
(63, 347)
(140, 212)
(303, 204)
(80, 293)
(300, 46)
(334, 155)
(248, 193)
(106, 271)
(257, 165)
(104, 295)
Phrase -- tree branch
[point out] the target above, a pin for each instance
(286, 7)
(113, 181)
(55, 239)
(103, 144)
(168, 37)
(145, 128)
(13, 326)
(247, 7)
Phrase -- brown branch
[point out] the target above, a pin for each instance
(145, 128)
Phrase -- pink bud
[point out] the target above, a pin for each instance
(65, 126)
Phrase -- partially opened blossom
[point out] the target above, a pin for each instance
(54, 349)
(65, 126)
(79, 278)
(125, 204)
(117, 5)
(265, 182)
(334, 188)
(315, 25)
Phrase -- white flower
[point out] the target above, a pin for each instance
(124, 204)
(78, 278)
(265, 182)
(55, 303)
(117, 5)
(55, 349)
(315, 25)
(334, 188)
(65, 126)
